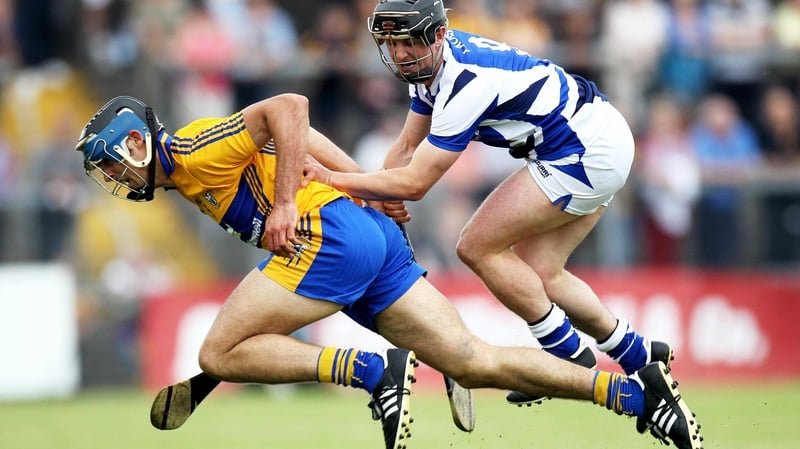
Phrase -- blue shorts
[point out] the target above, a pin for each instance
(355, 256)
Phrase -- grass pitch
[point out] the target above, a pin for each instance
(732, 416)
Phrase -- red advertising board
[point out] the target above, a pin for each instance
(723, 326)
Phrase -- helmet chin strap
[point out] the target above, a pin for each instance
(148, 191)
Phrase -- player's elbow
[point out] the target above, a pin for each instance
(415, 195)
(415, 190)
(293, 101)
(411, 193)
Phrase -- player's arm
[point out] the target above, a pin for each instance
(413, 165)
(409, 182)
(329, 155)
(415, 129)
(284, 120)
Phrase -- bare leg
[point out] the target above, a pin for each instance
(424, 321)
(531, 275)
(249, 341)
(571, 293)
(518, 244)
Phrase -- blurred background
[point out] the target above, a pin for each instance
(702, 246)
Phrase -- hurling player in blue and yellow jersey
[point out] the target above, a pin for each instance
(577, 151)
(327, 254)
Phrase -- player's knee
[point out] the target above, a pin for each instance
(551, 275)
(477, 376)
(469, 380)
(466, 252)
(463, 375)
(472, 370)
(210, 361)
(476, 247)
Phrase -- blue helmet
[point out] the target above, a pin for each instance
(104, 138)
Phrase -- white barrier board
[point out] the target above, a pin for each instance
(39, 355)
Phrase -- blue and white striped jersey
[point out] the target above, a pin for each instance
(501, 96)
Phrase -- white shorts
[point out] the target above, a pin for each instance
(607, 161)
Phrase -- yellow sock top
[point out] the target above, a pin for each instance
(601, 381)
(335, 365)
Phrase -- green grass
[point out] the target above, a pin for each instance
(732, 416)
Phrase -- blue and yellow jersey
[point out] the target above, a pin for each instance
(354, 256)
(216, 165)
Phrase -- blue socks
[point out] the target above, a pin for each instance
(556, 334)
(350, 367)
(619, 393)
(626, 347)
(368, 370)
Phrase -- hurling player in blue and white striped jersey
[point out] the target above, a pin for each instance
(578, 150)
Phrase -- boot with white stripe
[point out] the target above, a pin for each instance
(666, 414)
(391, 399)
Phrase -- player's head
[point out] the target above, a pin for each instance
(406, 34)
(104, 143)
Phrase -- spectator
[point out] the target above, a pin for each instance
(332, 44)
(779, 125)
(8, 192)
(522, 25)
(156, 23)
(41, 30)
(786, 25)
(684, 68)
(728, 151)
(669, 181)
(266, 43)
(8, 45)
(629, 64)
(741, 42)
(377, 93)
(576, 30)
(204, 53)
(60, 192)
(470, 15)
(111, 45)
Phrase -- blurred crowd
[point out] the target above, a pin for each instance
(711, 89)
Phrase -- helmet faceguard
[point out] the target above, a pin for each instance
(105, 137)
(408, 20)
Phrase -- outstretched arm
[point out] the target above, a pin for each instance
(415, 129)
(413, 166)
(329, 155)
(409, 182)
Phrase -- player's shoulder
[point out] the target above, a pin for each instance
(464, 43)
(204, 124)
(479, 51)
